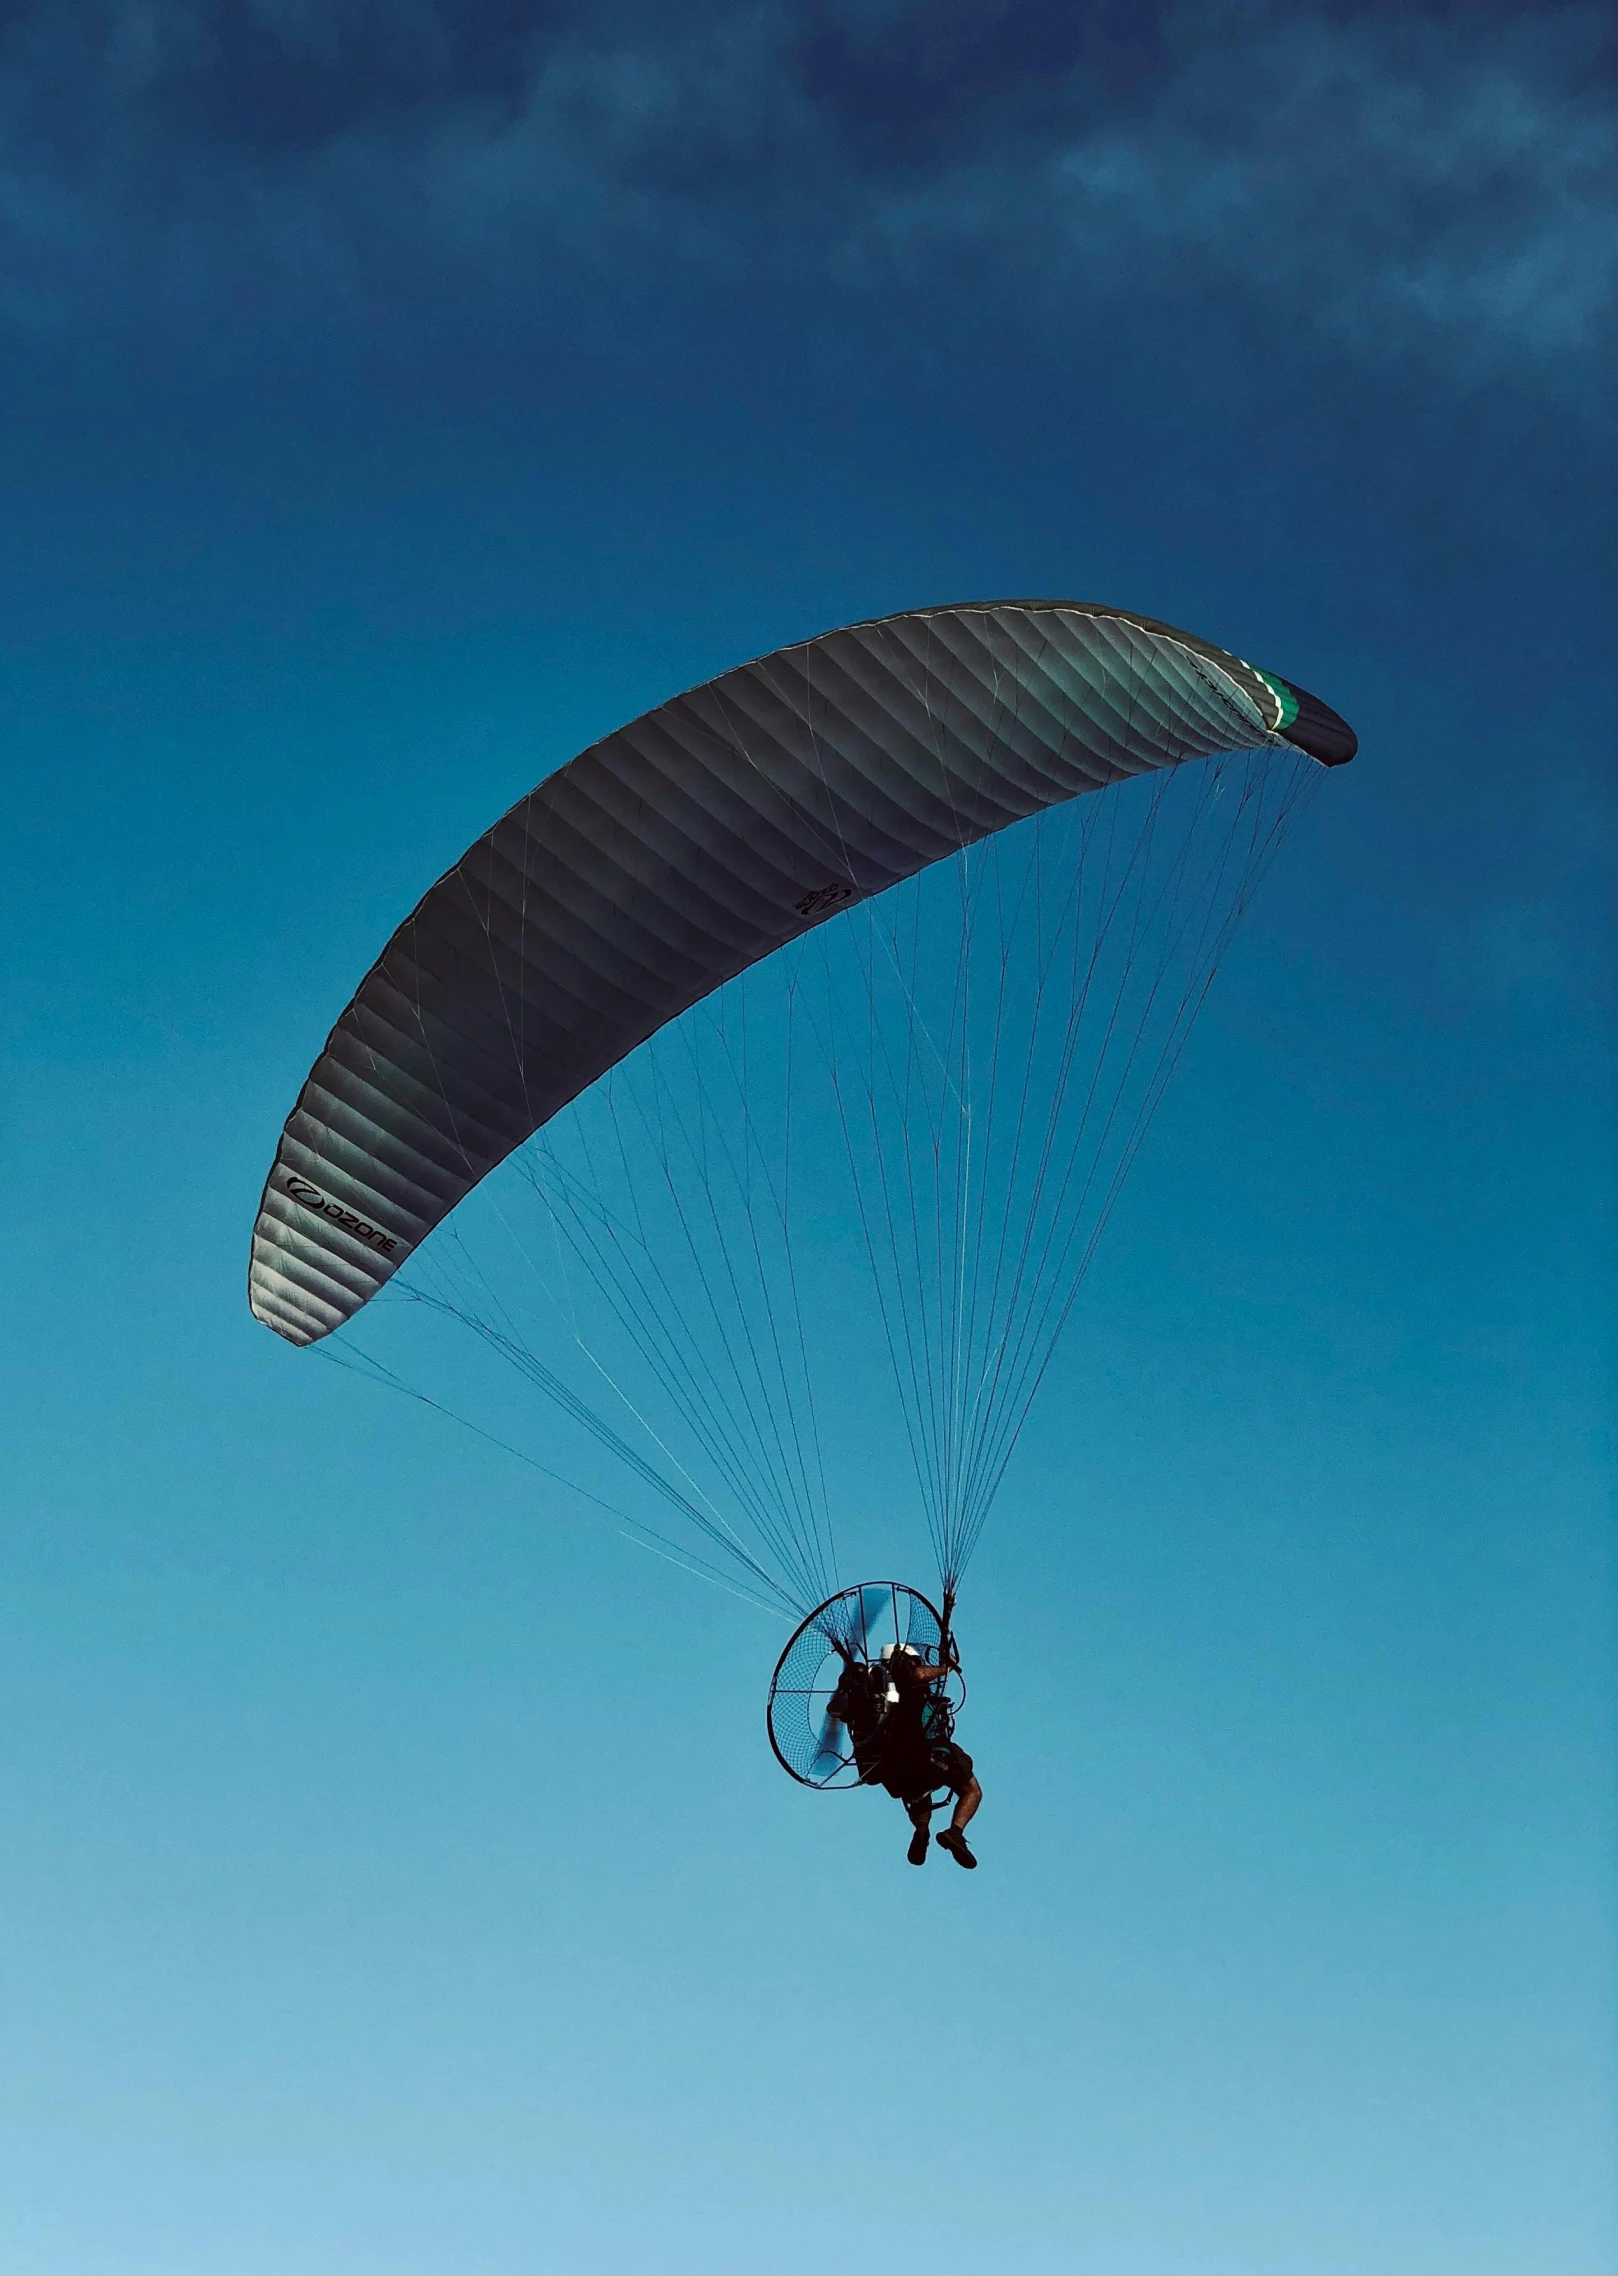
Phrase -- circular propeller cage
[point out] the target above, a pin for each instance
(857, 1624)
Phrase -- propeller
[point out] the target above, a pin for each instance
(829, 1756)
(873, 1611)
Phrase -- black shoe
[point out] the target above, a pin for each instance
(917, 1852)
(955, 1842)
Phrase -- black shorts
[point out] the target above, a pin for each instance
(925, 1771)
(954, 1765)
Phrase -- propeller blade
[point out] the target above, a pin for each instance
(874, 1620)
(831, 1748)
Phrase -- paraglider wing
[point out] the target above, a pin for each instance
(681, 850)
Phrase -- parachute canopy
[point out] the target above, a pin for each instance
(685, 848)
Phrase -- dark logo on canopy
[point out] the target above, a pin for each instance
(824, 897)
(310, 1196)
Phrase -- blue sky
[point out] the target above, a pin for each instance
(395, 398)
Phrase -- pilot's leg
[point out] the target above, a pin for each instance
(966, 1804)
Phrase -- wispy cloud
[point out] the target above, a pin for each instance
(1388, 183)
(1440, 191)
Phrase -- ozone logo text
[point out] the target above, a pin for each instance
(310, 1196)
(824, 897)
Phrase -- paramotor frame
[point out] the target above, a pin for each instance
(851, 1628)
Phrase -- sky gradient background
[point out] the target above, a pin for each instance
(397, 397)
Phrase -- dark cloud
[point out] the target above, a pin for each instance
(255, 81)
(287, 81)
(1391, 183)
(911, 88)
